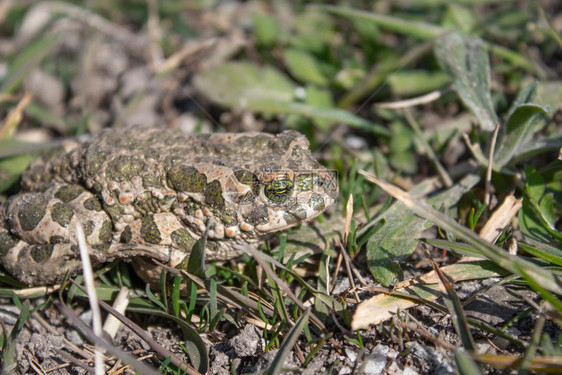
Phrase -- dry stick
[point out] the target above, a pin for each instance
(53, 331)
(92, 297)
(88, 333)
(74, 361)
(348, 216)
(335, 273)
(490, 163)
(97, 22)
(474, 150)
(143, 335)
(111, 325)
(33, 362)
(421, 330)
(154, 31)
(424, 99)
(14, 117)
(445, 178)
(349, 273)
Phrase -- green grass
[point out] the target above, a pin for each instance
(326, 70)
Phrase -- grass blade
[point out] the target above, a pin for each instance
(9, 352)
(454, 306)
(465, 363)
(288, 344)
(416, 29)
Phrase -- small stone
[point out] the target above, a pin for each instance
(376, 361)
(246, 343)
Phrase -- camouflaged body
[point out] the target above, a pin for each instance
(152, 192)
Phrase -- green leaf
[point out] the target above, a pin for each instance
(519, 127)
(465, 60)
(305, 67)
(454, 306)
(546, 210)
(549, 93)
(530, 225)
(415, 82)
(266, 90)
(398, 238)
(243, 84)
(535, 187)
(313, 32)
(460, 17)
(526, 95)
(543, 276)
(428, 31)
(321, 98)
(331, 114)
(266, 29)
(416, 29)
(12, 168)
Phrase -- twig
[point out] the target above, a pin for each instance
(143, 335)
(347, 261)
(447, 181)
(111, 349)
(92, 297)
(490, 164)
(424, 99)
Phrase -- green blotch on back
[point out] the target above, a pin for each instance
(149, 230)
(89, 227)
(92, 163)
(183, 239)
(52, 154)
(103, 247)
(124, 168)
(256, 142)
(150, 180)
(213, 194)
(188, 179)
(62, 214)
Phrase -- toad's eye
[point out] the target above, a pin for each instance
(278, 192)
